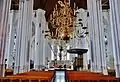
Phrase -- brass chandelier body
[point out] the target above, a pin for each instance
(62, 21)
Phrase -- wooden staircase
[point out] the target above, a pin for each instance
(76, 76)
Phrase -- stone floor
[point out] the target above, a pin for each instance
(60, 76)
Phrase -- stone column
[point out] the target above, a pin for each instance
(96, 36)
(26, 34)
(39, 36)
(108, 39)
(115, 27)
(8, 35)
(18, 37)
(4, 10)
(43, 40)
(23, 36)
(46, 47)
(37, 45)
(32, 41)
(13, 24)
(92, 59)
(32, 49)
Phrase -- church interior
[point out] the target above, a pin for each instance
(59, 41)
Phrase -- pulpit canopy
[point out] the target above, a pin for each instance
(77, 51)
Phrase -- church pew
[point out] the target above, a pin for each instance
(43, 73)
(92, 78)
(24, 77)
(33, 76)
(74, 76)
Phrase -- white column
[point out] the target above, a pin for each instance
(18, 37)
(8, 35)
(46, 47)
(32, 48)
(32, 41)
(89, 5)
(29, 31)
(115, 27)
(37, 45)
(26, 34)
(109, 47)
(96, 36)
(43, 40)
(4, 10)
(23, 36)
(13, 23)
(39, 38)
(101, 42)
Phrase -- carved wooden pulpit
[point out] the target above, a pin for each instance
(78, 62)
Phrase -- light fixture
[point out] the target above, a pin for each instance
(62, 19)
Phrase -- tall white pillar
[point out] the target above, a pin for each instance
(32, 49)
(37, 45)
(18, 37)
(26, 34)
(96, 36)
(43, 40)
(13, 24)
(39, 39)
(4, 10)
(115, 27)
(23, 36)
(46, 47)
(107, 32)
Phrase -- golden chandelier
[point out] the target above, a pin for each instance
(62, 21)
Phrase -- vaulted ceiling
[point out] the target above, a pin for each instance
(48, 5)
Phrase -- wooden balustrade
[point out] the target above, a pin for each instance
(33, 76)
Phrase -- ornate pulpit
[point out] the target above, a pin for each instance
(78, 62)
